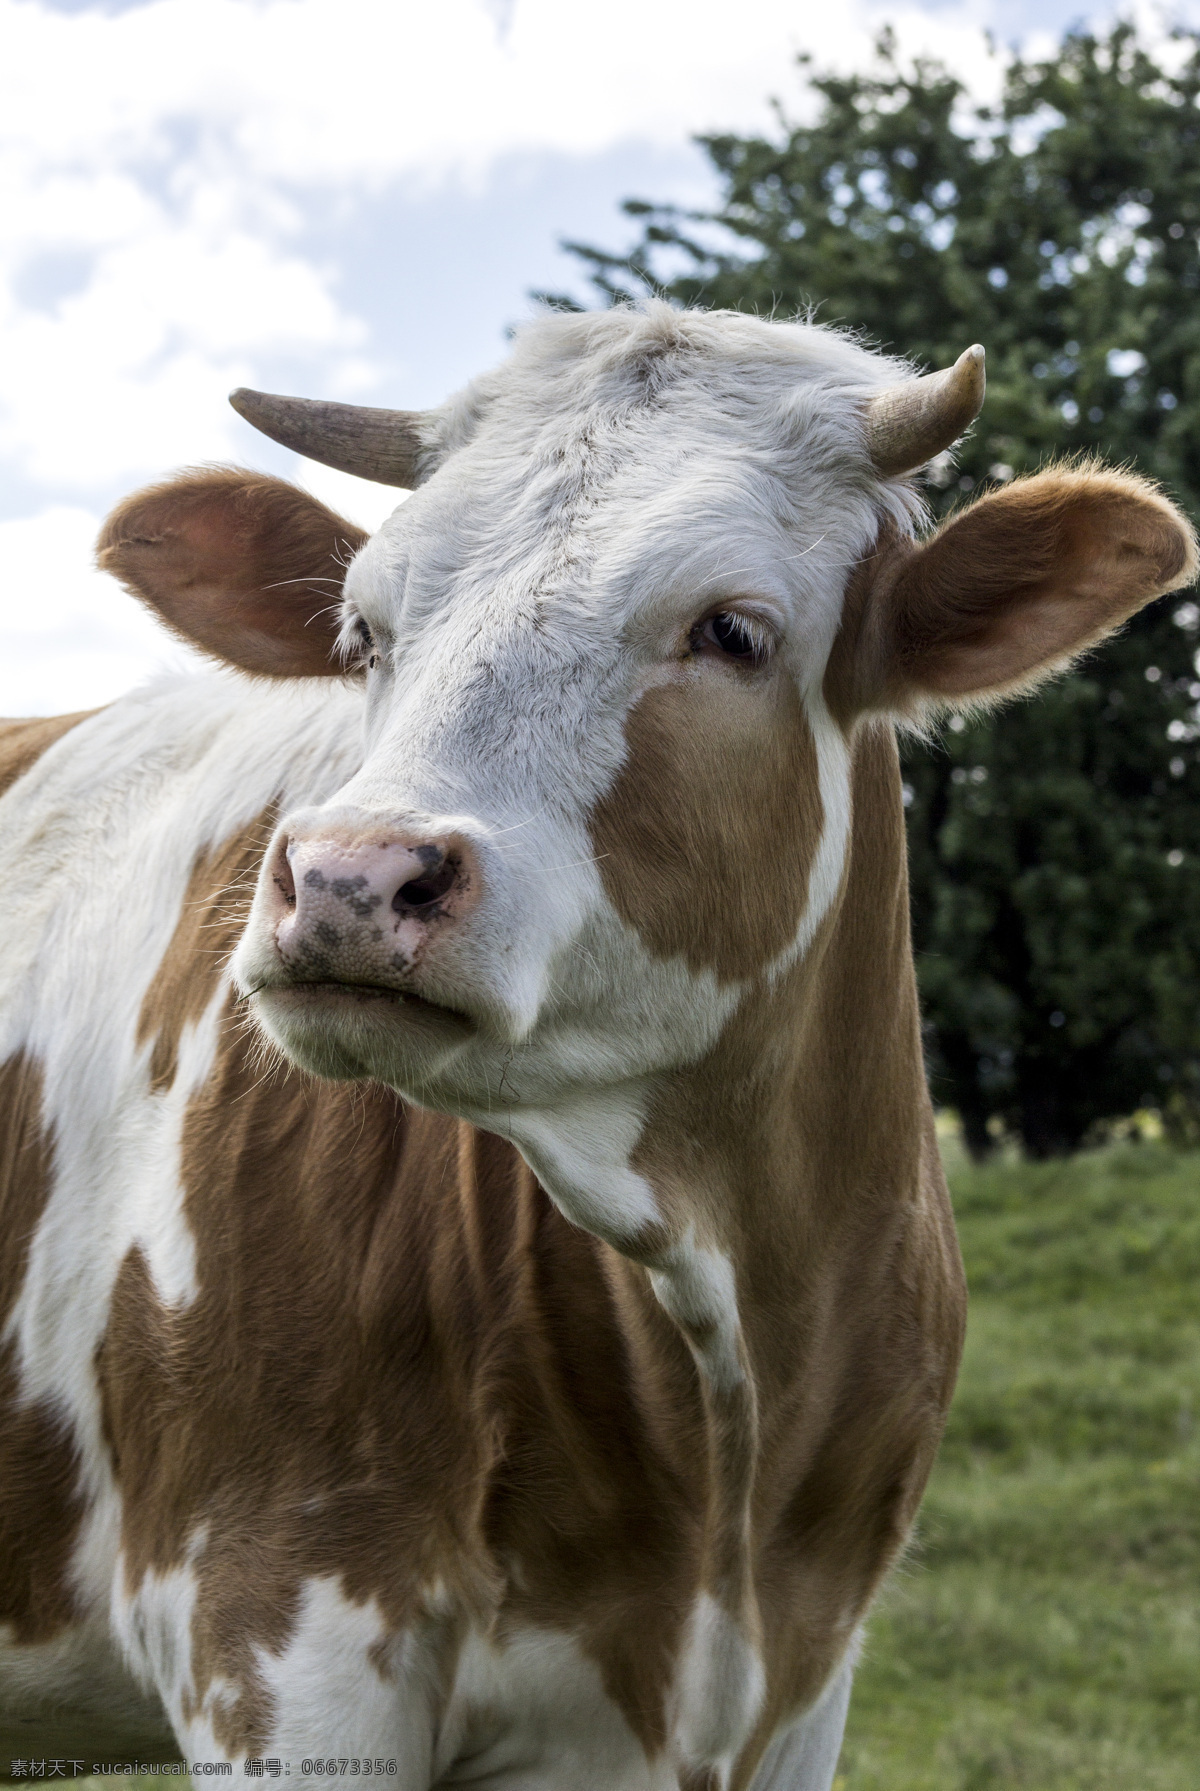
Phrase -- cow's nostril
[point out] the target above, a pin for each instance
(422, 892)
(281, 875)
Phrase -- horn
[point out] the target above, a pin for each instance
(383, 445)
(908, 424)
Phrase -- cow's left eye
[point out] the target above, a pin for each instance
(736, 636)
(367, 639)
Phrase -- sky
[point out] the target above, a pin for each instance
(340, 198)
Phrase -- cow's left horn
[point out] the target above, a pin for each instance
(383, 445)
(908, 424)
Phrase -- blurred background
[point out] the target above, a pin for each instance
(359, 199)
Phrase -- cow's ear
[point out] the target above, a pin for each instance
(1008, 591)
(245, 567)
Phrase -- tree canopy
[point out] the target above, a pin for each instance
(1055, 845)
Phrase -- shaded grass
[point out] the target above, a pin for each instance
(1045, 1630)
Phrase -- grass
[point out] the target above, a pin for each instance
(1045, 1630)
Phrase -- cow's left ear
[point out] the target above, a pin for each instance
(243, 566)
(1008, 591)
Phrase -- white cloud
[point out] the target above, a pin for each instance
(72, 638)
(330, 90)
(130, 372)
(173, 156)
(166, 169)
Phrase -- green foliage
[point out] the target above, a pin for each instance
(1055, 846)
(1045, 1632)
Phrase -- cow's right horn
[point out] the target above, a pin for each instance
(383, 445)
(908, 424)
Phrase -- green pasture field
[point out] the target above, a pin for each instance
(1044, 1632)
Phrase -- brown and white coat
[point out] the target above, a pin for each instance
(477, 1281)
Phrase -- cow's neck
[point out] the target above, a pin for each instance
(759, 1188)
(790, 1139)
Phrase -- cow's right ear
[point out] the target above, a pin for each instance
(1006, 593)
(248, 568)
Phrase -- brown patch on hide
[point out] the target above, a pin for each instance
(246, 567)
(22, 743)
(213, 913)
(803, 1147)
(707, 837)
(40, 1508)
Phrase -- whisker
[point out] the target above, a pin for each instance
(808, 549)
(310, 578)
(516, 826)
(576, 862)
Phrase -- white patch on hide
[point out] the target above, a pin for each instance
(580, 1153)
(696, 1287)
(829, 863)
(335, 1694)
(532, 1712)
(720, 1688)
(804, 1755)
(154, 1196)
(153, 1624)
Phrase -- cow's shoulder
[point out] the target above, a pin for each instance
(22, 742)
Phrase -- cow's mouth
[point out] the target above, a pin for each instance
(330, 997)
(350, 1031)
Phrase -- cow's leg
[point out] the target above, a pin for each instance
(342, 1688)
(805, 1757)
(346, 1689)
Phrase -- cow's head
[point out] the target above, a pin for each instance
(613, 652)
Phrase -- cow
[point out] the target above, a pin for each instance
(480, 1294)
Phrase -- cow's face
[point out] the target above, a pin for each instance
(605, 788)
(601, 790)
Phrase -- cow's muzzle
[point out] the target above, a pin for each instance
(364, 904)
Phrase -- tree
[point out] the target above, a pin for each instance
(1055, 845)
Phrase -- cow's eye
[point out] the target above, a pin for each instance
(736, 636)
(368, 641)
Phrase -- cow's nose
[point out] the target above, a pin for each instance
(360, 908)
(436, 877)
